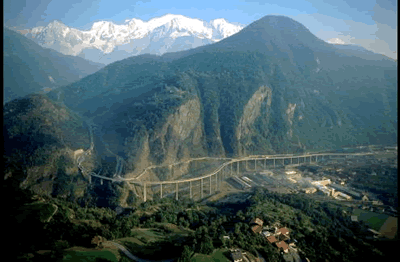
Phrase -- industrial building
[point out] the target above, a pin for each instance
(346, 190)
(310, 190)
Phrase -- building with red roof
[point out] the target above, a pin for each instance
(272, 239)
(284, 231)
(282, 245)
(256, 229)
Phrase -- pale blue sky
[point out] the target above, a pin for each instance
(370, 23)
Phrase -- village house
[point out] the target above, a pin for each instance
(272, 239)
(283, 246)
(256, 229)
(284, 231)
(257, 221)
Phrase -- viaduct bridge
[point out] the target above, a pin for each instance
(231, 168)
(213, 181)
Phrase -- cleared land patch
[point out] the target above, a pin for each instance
(372, 219)
(389, 228)
(87, 254)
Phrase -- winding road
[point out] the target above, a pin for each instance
(229, 161)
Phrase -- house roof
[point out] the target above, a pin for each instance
(283, 230)
(272, 239)
(257, 221)
(256, 228)
(282, 245)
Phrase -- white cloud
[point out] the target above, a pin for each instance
(379, 38)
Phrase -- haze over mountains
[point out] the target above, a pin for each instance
(107, 42)
(30, 68)
(273, 87)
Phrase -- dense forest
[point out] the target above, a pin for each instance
(324, 232)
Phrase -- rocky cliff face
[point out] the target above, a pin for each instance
(178, 137)
(257, 107)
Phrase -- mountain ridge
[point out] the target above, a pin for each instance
(30, 68)
(106, 37)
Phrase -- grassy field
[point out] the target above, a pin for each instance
(219, 255)
(155, 243)
(374, 220)
(87, 255)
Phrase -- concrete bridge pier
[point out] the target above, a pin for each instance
(255, 163)
(216, 182)
(144, 192)
(265, 163)
(201, 188)
(237, 169)
(210, 185)
(176, 191)
(101, 181)
(231, 168)
(190, 189)
(90, 179)
(161, 190)
(247, 164)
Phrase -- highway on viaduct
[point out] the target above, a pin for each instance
(227, 169)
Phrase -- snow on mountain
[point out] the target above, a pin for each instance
(336, 41)
(133, 37)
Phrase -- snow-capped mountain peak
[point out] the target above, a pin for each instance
(107, 36)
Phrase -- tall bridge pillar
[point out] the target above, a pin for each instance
(190, 189)
(231, 168)
(247, 165)
(144, 192)
(216, 182)
(255, 163)
(101, 181)
(201, 188)
(210, 185)
(161, 190)
(265, 163)
(176, 190)
(237, 170)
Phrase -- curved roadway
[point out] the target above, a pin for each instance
(233, 160)
(117, 176)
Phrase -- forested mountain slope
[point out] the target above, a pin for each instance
(30, 68)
